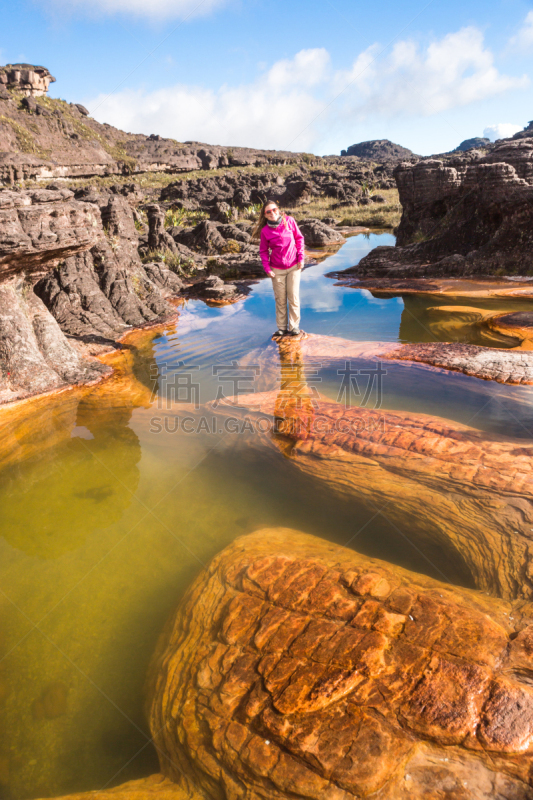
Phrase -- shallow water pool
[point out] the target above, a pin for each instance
(106, 517)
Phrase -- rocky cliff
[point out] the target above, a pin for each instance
(463, 215)
(51, 138)
(71, 280)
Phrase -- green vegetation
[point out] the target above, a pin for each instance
(231, 246)
(252, 211)
(25, 140)
(384, 215)
(175, 217)
(181, 266)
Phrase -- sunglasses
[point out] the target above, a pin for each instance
(271, 210)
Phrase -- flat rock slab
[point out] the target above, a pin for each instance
(491, 364)
(295, 668)
(288, 337)
(442, 484)
(453, 287)
(503, 366)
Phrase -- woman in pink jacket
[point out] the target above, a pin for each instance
(282, 252)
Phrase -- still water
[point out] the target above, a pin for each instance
(106, 517)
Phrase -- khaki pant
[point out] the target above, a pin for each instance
(286, 285)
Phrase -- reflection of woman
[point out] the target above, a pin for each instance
(282, 253)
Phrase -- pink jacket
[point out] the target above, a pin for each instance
(281, 247)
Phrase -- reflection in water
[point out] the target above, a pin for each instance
(438, 318)
(106, 518)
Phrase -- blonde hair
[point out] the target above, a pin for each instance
(262, 221)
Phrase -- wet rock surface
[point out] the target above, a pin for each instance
(216, 292)
(488, 363)
(442, 482)
(295, 668)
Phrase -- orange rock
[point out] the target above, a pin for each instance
(383, 704)
(436, 480)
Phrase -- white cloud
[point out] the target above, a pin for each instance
(455, 71)
(297, 101)
(155, 9)
(268, 112)
(502, 130)
(524, 38)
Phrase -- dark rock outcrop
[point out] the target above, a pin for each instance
(468, 215)
(317, 234)
(378, 150)
(100, 293)
(470, 144)
(70, 268)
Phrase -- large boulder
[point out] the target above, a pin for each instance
(204, 238)
(295, 668)
(317, 234)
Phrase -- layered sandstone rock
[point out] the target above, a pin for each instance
(69, 267)
(295, 668)
(508, 366)
(438, 482)
(102, 292)
(466, 215)
(42, 226)
(27, 79)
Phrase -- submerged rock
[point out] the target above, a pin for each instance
(295, 668)
(443, 483)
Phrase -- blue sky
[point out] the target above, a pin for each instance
(286, 75)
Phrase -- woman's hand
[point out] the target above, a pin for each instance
(271, 274)
(300, 265)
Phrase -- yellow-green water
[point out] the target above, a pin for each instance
(104, 522)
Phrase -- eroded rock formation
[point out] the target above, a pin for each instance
(29, 80)
(465, 215)
(295, 668)
(69, 268)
